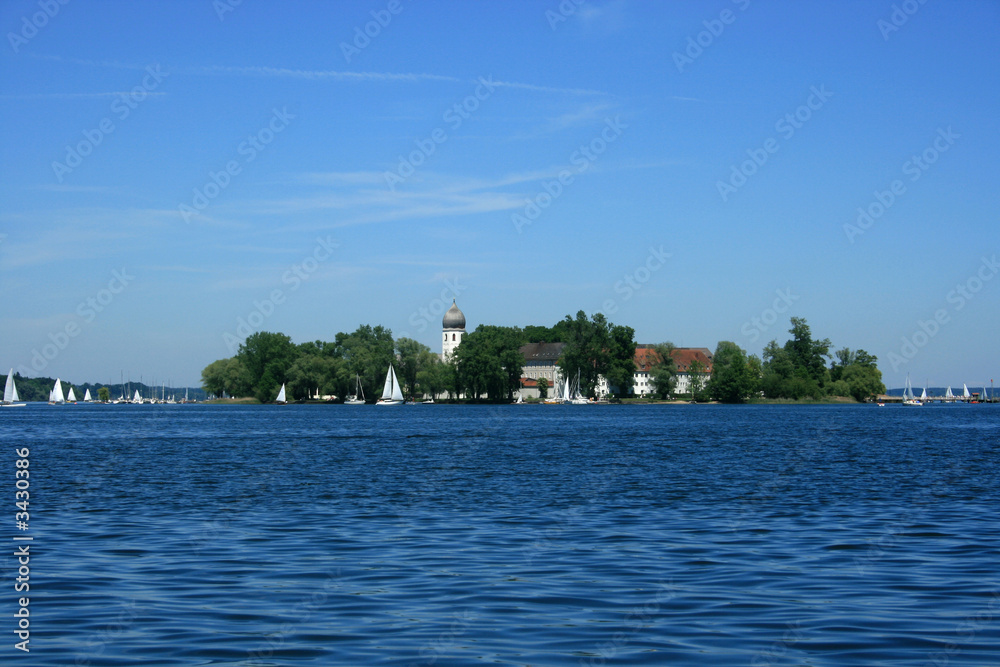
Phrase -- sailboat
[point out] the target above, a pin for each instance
(965, 392)
(577, 398)
(391, 393)
(948, 393)
(137, 399)
(520, 399)
(71, 397)
(358, 397)
(281, 396)
(10, 399)
(86, 397)
(56, 395)
(923, 395)
(908, 398)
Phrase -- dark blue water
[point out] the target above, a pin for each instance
(521, 535)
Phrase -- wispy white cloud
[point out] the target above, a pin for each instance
(546, 89)
(412, 77)
(81, 233)
(87, 63)
(67, 188)
(175, 269)
(319, 74)
(75, 96)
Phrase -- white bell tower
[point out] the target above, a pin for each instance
(453, 328)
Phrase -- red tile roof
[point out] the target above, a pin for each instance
(646, 357)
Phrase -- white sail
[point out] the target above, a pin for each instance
(948, 393)
(923, 394)
(57, 393)
(9, 390)
(965, 391)
(10, 398)
(281, 395)
(71, 397)
(86, 396)
(391, 393)
(908, 398)
(137, 398)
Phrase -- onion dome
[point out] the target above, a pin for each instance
(454, 318)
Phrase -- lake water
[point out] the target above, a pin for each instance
(520, 535)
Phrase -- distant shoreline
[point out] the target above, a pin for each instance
(832, 400)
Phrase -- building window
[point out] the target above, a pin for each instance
(453, 336)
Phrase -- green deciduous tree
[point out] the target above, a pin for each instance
(733, 379)
(596, 347)
(543, 388)
(697, 384)
(266, 359)
(322, 373)
(663, 374)
(864, 381)
(432, 374)
(367, 352)
(489, 361)
(621, 359)
(225, 376)
(410, 355)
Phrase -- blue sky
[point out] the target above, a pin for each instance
(695, 170)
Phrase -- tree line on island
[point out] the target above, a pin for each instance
(488, 365)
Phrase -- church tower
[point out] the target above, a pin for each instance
(453, 326)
